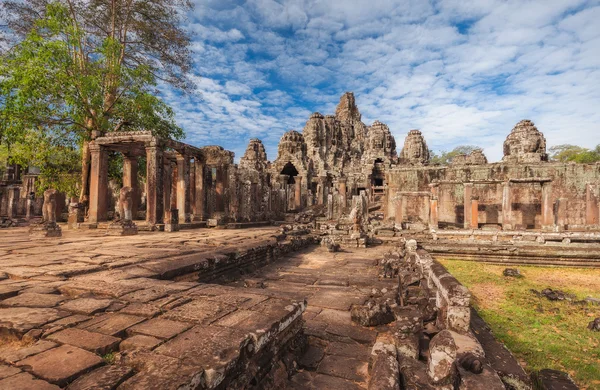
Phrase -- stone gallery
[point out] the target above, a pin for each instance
(316, 270)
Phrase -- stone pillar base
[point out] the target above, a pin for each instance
(47, 229)
(172, 221)
(125, 228)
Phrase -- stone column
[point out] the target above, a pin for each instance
(399, 214)
(199, 191)
(433, 212)
(321, 194)
(13, 197)
(591, 205)
(154, 185)
(547, 206)
(474, 212)
(561, 214)
(98, 184)
(220, 190)
(298, 193)
(468, 192)
(506, 206)
(130, 179)
(183, 187)
(342, 190)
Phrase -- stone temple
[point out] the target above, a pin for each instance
(316, 270)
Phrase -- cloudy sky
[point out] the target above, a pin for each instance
(462, 71)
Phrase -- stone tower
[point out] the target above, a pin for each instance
(415, 151)
(525, 144)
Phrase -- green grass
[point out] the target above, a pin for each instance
(539, 332)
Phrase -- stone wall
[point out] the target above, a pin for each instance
(568, 181)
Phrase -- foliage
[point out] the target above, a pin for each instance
(578, 154)
(541, 333)
(58, 161)
(445, 157)
(78, 68)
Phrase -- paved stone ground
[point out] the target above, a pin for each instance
(339, 349)
(68, 305)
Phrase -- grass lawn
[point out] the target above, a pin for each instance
(539, 332)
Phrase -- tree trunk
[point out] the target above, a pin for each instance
(86, 158)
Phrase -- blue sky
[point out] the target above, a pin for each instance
(464, 72)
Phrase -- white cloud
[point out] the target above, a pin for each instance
(463, 71)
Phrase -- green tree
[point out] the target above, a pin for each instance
(445, 157)
(578, 154)
(77, 69)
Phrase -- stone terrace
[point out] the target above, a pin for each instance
(66, 305)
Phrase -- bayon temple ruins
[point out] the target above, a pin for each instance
(316, 270)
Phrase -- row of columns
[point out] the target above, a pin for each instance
(167, 186)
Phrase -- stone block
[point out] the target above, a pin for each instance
(87, 306)
(344, 367)
(139, 341)
(458, 318)
(17, 321)
(10, 354)
(103, 378)
(26, 381)
(94, 342)
(442, 354)
(33, 300)
(160, 327)
(49, 229)
(112, 324)
(61, 365)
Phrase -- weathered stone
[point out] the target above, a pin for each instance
(442, 354)
(87, 306)
(19, 320)
(160, 327)
(525, 144)
(33, 300)
(594, 325)
(61, 365)
(344, 367)
(415, 150)
(6, 371)
(112, 324)
(26, 381)
(94, 342)
(554, 380)
(139, 341)
(13, 353)
(311, 358)
(103, 378)
(372, 314)
(513, 272)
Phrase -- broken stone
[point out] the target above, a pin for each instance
(512, 272)
(442, 354)
(554, 380)
(26, 381)
(372, 313)
(594, 325)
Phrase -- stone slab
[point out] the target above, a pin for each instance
(160, 327)
(12, 353)
(202, 311)
(61, 365)
(26, 381)
(33, 300)
(344, 367)
(17, 321)
(112, 324)
(87, 306)
(6, 371)
(98, 343)
(139, 341)
(103, 378)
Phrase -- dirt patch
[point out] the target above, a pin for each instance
(566, 278)
(487, 295)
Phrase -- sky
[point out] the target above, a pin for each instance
(463, 72)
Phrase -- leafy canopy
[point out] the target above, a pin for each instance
(445, 157)
(578, 154)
